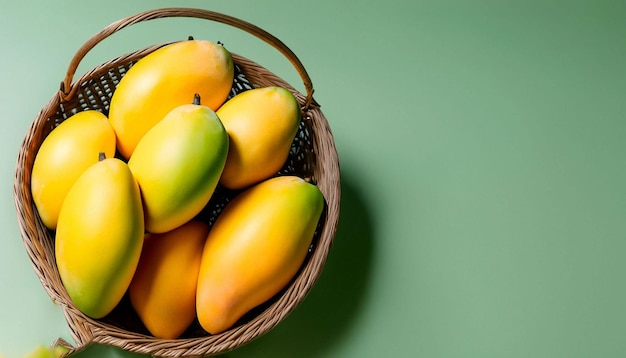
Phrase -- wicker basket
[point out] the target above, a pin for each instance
(313, 155)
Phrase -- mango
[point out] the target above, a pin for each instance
(163, 291)
(99, 236)
(165, 79)
(261, 124)
(255, 247)
(41, 351)
(178, 164)
(64, 155)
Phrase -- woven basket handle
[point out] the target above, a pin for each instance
(68, 90)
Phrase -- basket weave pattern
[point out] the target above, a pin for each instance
(313, 156)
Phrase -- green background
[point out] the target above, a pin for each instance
(482, 149)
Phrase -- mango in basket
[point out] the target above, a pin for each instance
(163, 290)
(178, 163)
(165, 79)
(99, 236)
(261, 124)
(64, 155)
(254, 249)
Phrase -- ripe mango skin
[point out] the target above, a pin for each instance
(163, 290)
(254, 249)
(261, 124)
(99, 237)
(64, 155)
(165, 79)
(178, 164)
(41, 351)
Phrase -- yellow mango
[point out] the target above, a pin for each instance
(261, 124)
(165, 79)
(99, 237)
(163, 291)
(63, 156)
(178, 163)
(254, 249)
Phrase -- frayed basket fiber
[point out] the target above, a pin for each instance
(313, 156)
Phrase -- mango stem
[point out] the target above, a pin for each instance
(101, 156)
(196, 99)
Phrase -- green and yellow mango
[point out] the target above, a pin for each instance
(99, 236)
(178, 163)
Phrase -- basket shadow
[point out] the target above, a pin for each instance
(330, 310)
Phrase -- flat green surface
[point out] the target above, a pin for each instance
(483, 150)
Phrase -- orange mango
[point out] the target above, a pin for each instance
(163, 290)
(165, 79)
(261, 125)
(254, 249)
